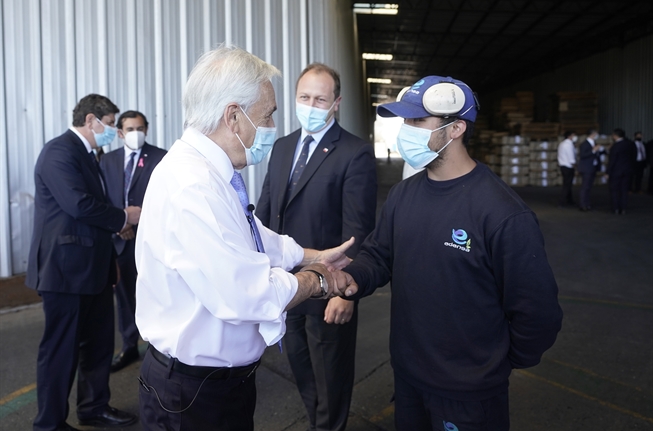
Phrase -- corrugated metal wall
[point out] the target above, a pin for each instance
(621, 77)
(139, 53)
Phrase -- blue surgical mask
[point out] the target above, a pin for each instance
(413, 143)
(263, 142)
(106, 137)
(311, 118)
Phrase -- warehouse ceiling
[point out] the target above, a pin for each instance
(492, 43)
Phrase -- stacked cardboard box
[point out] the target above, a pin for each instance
(544, 131)
(544, 163)
(576, 111)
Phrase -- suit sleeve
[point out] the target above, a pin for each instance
(359, 198)
(63, 177)
(263, 205)
(585, 151)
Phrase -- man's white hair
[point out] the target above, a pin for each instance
(221, 76)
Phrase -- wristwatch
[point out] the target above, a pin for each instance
(323, 285)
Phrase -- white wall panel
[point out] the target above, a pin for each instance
(139, 53)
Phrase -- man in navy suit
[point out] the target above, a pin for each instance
(320, 189)
(589, 163)
(72, 266)
(127, 171)
(621, 164)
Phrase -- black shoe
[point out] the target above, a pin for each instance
(110, 418)
(124, 358)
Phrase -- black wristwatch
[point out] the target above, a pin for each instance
(323, 285)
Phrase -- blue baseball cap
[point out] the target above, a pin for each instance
(433, 96)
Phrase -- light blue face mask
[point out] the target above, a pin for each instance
(311, 118)
(263, 142)
(106, 137)
(413, 144)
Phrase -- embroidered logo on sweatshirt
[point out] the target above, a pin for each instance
(448, 426)
(460, 240)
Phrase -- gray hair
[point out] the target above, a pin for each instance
(221, 76)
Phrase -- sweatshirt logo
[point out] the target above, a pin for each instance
(448, 426)
(460, 240)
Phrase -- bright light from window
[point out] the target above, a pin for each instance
(379, 81)
(376, 8)
(375, 56)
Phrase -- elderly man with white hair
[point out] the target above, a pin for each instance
(213, 286)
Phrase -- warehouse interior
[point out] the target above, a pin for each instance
(539, 67)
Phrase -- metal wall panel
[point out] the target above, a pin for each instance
(622, 78)
(139, 53)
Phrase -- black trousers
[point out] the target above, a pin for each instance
(638, 175)
(416, 409)
(567, 182)
(78, 337)
(126, 297)
(321, 357)
(221, 404)
(619, 191)
(586, 188)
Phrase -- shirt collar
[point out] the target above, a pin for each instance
(210, 150)
(590, 140)
(84, 140)
(128, 151)
(317, 137)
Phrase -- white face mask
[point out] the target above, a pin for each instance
(134, 139)
(312, 118)
(574, 139)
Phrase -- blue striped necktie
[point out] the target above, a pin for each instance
(239, 185)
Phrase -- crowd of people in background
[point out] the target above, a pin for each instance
(628, 162)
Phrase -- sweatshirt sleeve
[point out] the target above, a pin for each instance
(530, 292)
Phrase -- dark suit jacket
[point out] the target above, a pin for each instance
(71, 249)
(113, 168)
(622, 158)
(586, 158)
(334, 199)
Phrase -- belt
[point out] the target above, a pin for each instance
(215, 373)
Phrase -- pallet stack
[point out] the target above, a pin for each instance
(514, 162)
(576, 111)
(544, 170)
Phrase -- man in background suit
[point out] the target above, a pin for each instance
(127, 171)
(320, 189)
(640, 163)
(72, 266)
(588, 164)
(621, 163)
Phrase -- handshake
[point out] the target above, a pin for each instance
(331, 282)
(321, 276)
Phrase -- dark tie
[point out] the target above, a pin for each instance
(299, 166)
(99, 171)
(128, 177)
(239, 185)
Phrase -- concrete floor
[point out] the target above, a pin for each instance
(598, 375)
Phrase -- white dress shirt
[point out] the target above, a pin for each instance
(641, 151)
(204, 295)
(566, 154)
(317, 137)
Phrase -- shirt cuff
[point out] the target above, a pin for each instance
(272, 332)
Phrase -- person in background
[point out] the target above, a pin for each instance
(72, 266)
(567, 162)
(320, 189)
(589, 163)
(473, 295)
(213, 288)
(640, 164)
(127, 171)
(621, 164)
(649, 160)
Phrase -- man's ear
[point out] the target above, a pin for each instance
(120, 134)
(89, 119)
(458, 129)
(231, 116)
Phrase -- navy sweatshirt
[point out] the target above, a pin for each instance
(473, 295)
